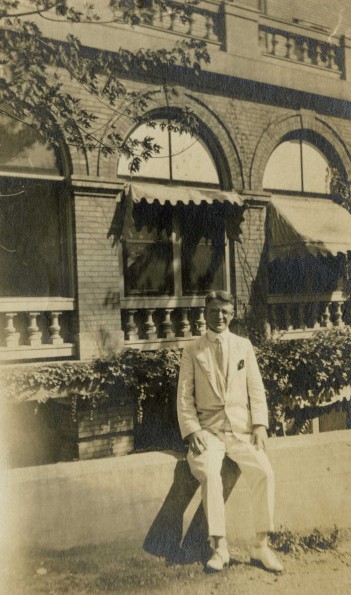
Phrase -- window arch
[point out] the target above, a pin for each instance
(182, 158)
(22, 151)
(301, 162)
(188, 259)
(33, 215)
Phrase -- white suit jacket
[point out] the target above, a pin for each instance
(199, 403)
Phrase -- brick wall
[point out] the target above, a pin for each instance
(250, 262)
(247, 125)
(247, 131)
(97, 276)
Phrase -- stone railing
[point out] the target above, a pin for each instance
(35, 328)
(293, 46)
(301, 315)
(200, 23)
(156, 321)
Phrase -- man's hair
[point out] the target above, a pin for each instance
(222, 296)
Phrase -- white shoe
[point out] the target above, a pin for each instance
(218, 560)
(264, 555)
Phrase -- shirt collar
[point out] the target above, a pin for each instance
(212, 336)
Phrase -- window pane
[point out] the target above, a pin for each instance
(32, 254)
(191, 161)
(155, 167)
(283, 170)
(316, 170)
(22, 150)
(203, 267)
(148, 268)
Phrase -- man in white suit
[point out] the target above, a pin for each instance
(222, 411)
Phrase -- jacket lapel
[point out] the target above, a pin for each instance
(232, 359)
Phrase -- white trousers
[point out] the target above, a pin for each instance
(255, 467)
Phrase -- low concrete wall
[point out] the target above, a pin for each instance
(89, 502)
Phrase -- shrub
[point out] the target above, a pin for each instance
(303, 379)
(286, 541)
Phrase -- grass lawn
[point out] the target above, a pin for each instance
(110, 568)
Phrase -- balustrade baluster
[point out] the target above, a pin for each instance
(319, 55)
(315, 322)
(185, 329)
(338, 320)
(273, 316)
(165, 18)
(34, 333)
(201, 323)
(262, 40)
(288, 321)
(166, 325)
(131, 327)
(11, 335)
(267, 323)
(190, 23)
(267, 329)
(305, 52)
(270, 42)
(326, 316)
(55, 329)
(209, 27)
(289, 45)
(172, 19)
(275, 44)
(149, 325)
(333, 61)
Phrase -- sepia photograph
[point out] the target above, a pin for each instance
(175, 297)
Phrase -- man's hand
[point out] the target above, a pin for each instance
(259, 437)
(197, 442)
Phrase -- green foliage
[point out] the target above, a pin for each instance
(302, 378)
(35, 69)
(286, 541)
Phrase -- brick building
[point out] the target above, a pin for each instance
(273, 108)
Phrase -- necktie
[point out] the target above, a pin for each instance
(220, 356)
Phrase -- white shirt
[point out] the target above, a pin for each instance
(213, 337)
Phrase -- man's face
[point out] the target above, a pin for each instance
(218, 315)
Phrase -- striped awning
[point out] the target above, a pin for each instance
(152, 205)
(179, 194)
(299, 225)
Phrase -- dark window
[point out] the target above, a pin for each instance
(150, 252)
(148, 263)
(34, 257)
(203, 248)
(33, 251)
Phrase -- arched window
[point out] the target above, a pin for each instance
(182, 157)
(33, 215)
(185, 255)
(302, 162)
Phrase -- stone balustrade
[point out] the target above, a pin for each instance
(299, 48)
(35, 328)
(165, 321)
(301, 315)
(200, 23)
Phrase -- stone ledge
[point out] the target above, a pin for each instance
(90, 502)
